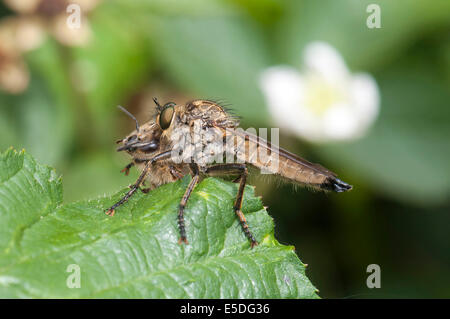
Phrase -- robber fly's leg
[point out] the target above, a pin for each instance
(138, 183)
(183, 202)
(144, 190)
(238, 205)
(237, 179)
(175, 173)
(132, 190)
(126, 169)
(242, 170)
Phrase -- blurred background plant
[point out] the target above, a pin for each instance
(59, 92)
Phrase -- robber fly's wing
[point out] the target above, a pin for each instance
(271, 159)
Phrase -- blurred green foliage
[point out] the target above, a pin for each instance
(398, 213)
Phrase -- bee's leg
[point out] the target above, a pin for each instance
(139, 181)
(126, 169)
(242, 170)
(183, 202)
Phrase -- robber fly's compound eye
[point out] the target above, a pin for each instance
(166, 116)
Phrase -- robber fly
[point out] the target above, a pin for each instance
(156, 150)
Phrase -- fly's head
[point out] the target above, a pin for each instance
(142, 141)
(147, 140)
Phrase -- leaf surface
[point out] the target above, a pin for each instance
(136, 254)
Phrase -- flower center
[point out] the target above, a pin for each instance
(320, 95)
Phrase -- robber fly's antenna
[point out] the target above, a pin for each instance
(158, 106)
(130, 115)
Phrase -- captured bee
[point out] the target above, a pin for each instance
(201, 138)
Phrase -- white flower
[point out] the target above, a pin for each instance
(323, 103)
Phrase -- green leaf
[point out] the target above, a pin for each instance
(135, 254)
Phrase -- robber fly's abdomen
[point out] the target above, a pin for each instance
(274, 160)
(299, 173)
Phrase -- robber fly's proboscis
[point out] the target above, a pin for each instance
(202, 138)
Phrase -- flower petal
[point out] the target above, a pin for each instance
(19, 34)
(326, 103)
(341, 123)
(322, 58)
(365, 97)
(30, 33)
(23, 6)
(283, 87)
(14, 76)
(71, 36)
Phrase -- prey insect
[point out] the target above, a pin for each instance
(199, 138)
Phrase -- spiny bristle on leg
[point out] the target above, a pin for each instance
(336, 185)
